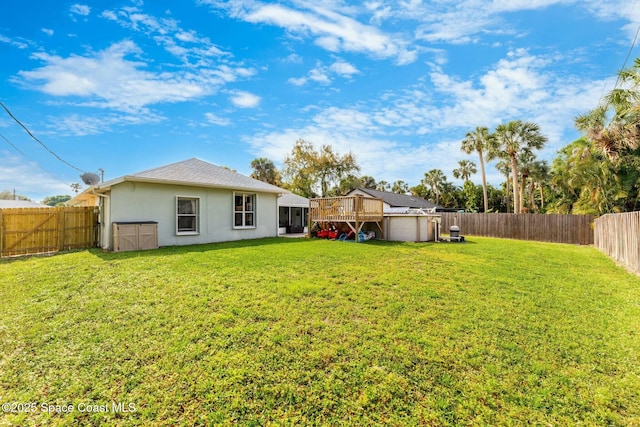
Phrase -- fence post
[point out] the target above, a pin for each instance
(60, 227)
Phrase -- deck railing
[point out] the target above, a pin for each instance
(345, 209)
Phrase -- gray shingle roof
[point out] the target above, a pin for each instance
(290, 199)
(400, 200)
(200, 173)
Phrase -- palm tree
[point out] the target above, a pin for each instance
(614, 126)
(512, 139)
(538, 175)
(264, 170)
(383, 186)
(504, 168)
(465, 170)
(400, 187)
(434, 179)
(479, 140)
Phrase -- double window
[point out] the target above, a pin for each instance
(244, 210)
(187, 213)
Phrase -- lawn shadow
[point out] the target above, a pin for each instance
(204, 247)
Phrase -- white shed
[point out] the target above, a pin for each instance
(411, 225)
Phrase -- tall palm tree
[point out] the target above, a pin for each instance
(538, 177)
(434, 179)
(512, 139)
(479, 140)
(504, 168)
(614, 126)
(465, 170)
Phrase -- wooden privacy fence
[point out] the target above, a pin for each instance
(25, 231)
(574, 229)
(618, 235)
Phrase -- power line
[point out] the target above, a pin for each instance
(27, 157)
(37, 140)
(633, 44)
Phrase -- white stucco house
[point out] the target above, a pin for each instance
(184, 203)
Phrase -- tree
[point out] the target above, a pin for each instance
(383, 186)
(55, 200)
(75, 187)
(479, 140)
(614, 126)
(11, 195)
(347, 184)
(368, 182)
(504, 168)
(465, 170)
(299, 169)
(311, 173)
(332, 168)
(400, 187)
(471, 196)
(264, 170)
(538, 179)
(434, 180)
(586, 180)
(511, 139)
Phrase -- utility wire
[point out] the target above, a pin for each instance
(633, 44)
(37, 140)
(27, 157)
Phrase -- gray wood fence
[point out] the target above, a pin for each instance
(618, 235)
(574, 229)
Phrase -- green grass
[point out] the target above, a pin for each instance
(299, 332)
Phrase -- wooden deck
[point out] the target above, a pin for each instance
(354, 211)
(345, 209)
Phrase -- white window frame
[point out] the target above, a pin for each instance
(197, 216)
(244, 210)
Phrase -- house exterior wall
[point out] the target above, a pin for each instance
(138, 201)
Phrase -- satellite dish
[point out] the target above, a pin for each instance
(90, 178)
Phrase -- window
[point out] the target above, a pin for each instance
(244, 210)
(187, 209)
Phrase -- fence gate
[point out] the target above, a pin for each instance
(25, 231)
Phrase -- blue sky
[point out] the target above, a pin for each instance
(125, 86)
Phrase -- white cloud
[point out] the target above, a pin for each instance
(83, 125)
(22, 175)
(185, 44)
(402, 134)
(217, 120)
(343, 68)
(15, 42)
(108, 79)
(47, 31)
(332, 30)
(244, 99)
(322, 74)
(80, 9)
(294, 59)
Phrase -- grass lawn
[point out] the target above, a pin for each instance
(299, 332)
